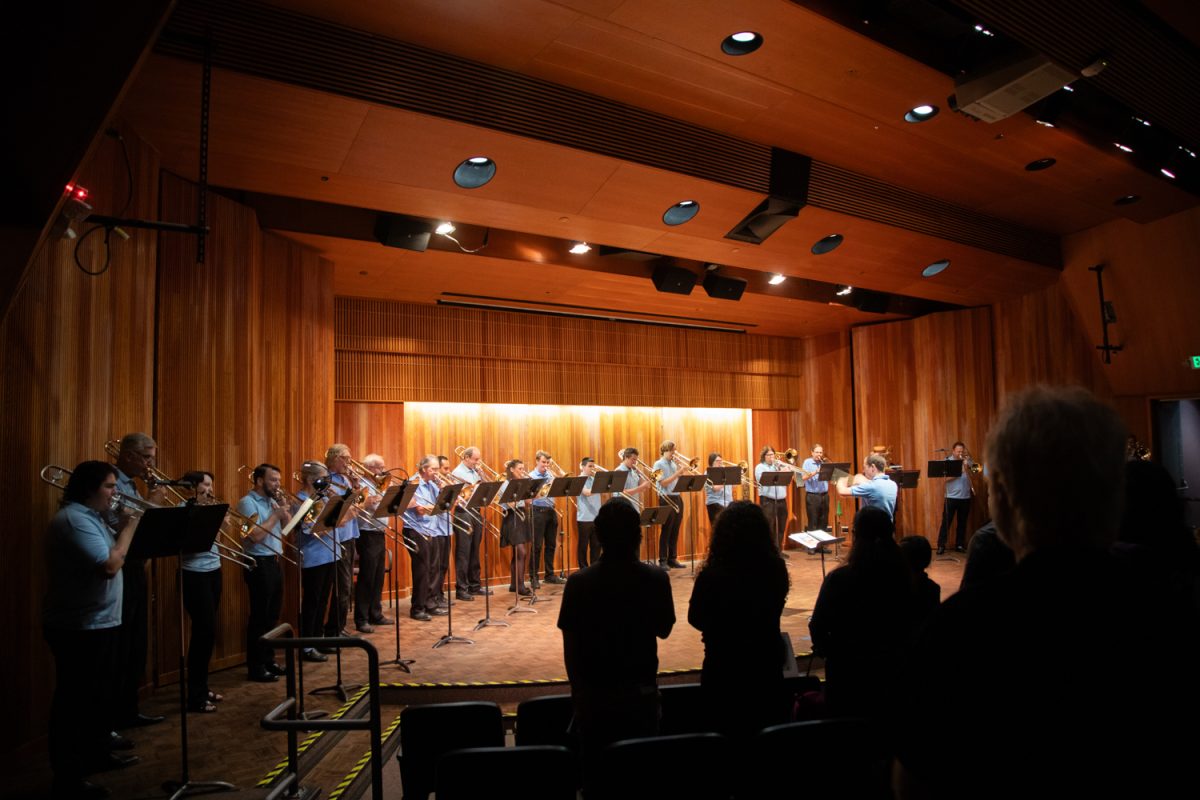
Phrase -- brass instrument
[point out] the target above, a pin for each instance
(653, 476)
(444, 479)
(489, 474)
(135, 506)
(154, 476)
(380, 480)
(789, 455)
(683, 462)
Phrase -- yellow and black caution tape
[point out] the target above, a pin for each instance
(309, 740)
(362, 763)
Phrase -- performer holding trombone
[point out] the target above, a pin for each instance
(319, 554)
(264, 543)
(428, 561)
(514, 530)
(586, 508)
(634, 485)
(957, 501)
(816, 492)
(545, 525)
(201, 579)
(344, 481)
(374, 477)
(668, 469)
(467, 573)
(716, 498)
(81, 617)
(773, 499)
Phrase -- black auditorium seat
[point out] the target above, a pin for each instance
(842, 758)
(544, 720)
(535, 772)
(683, 710)
(692, 765)
(428, 731)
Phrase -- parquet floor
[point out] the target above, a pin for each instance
(230, 745)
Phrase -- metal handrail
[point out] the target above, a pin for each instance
(283, 636)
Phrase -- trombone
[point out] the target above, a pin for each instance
(652, 475)
(489, 474)
(57, 477)
(447, 479)
(155, 477)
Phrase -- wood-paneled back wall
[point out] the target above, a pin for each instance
(399, 352)
(78, 366)
(245, 357)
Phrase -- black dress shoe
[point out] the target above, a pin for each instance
(524, 592)
(941, 551)
(262, 676)
(141, 720)
(313, 655)
(960, 549)
(78, 789)
(275, 669)
(420, 616)
(118, 742)
(383, 621)
(554, 579)
(464, 596)
(365, 628)
(675, 565)
(481, 591)
(438, 612)
(327, 650)
(114, 761)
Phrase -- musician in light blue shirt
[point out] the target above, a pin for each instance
(634, 485)
(873, 485)
(264, 583)
(319, 554)
(957, 501)
(468, 573)
(433, 537)
(668, 537)
(773, 499)
(716, 498)
(545, 525)
(816, 492)
(201, 579)
(343, 481)
(587, 506)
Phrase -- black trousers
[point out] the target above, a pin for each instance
(713, 509)
(816, 508)
(201, 599)
(777, 514)
(316, 584)
(82, 713)
(588, 547)
(132, 640)
(339, 607)
(955, 507)
(421, 561)
(466, 555)
(545, 540)
(264, 584)
(439, 562)
(668, 535)
(372, 557)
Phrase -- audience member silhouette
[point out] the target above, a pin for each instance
(987, 557)
(918, 554)
(736, 604)
(612, 613)
(863, 619)
(1154, 540)
(1036, 707)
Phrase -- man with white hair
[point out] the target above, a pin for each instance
(372, 555)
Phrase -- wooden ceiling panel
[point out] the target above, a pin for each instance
(418, 151)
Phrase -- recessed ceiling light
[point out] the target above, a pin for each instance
(1040, 164)
(1122, 148)
(444, 229)
(1144, 122)
(579, 248)
(1127, 199)
(741, 43)
(1044, 123)
(1167, 172)
(474, 172)
(827, 245)
(935, 268)
(921, 113)
(1191, 153)
(681, 212)
(777, 279)
(1068, 89)
(844, 290)
(983, 30)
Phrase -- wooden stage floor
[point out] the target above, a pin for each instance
(230, 745)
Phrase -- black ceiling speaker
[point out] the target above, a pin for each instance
(790, 173)
(677, 280)
(870, 301)
(723, 288)
(408, 233)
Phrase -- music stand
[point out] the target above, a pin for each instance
(905, 479)
(945, 468)
(683, 485)
(394, 501)
(815, 542)
(609, 481)
(569, 486)
(483, 495)
(832, 472)
(165, 532)
(336, 512)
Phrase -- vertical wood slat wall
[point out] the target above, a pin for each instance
(77, 360)
(244, 358)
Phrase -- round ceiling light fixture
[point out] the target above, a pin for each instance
(828, 244)
(741, 43)
(1040, 164)
(681, 212)
(935, 268)
(474, 172)
(921, 113)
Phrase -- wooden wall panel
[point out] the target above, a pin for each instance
(245, 355)
(78, 361)
(397, 352)
(918, 386)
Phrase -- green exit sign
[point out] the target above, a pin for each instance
(1195, 362)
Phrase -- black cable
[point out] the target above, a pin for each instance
(116, 134)
(107, 251)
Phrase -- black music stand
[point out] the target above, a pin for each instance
(443, 505)
(650, 517)
(335, 514)
(683, 485)
(394, 501)
(569, 486)
(609, 481)
(905, 479)
(815, 542)
(166, 532)
(517, 492)
(946, 468)
(483, 495)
